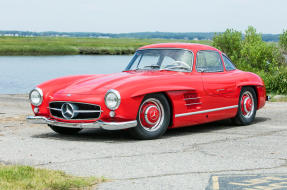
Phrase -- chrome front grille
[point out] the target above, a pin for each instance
(74, 110)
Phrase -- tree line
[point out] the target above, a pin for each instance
(139, 35)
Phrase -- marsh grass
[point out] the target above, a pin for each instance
(73, 46)
(26, 177)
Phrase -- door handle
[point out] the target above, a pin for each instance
(219, 90)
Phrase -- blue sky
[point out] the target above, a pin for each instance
(115, 16)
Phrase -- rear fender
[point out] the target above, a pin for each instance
(260, 92)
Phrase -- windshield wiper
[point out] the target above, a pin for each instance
(152, 66)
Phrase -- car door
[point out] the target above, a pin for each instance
(219, 86)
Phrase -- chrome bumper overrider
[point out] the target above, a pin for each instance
(98, 124)
(268, 98)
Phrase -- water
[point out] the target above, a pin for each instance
(19, 74)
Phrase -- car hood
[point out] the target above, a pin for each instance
(124, 81)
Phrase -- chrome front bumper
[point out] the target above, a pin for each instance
(96, 125)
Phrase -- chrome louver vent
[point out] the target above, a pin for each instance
(74, 110)
(192, 100)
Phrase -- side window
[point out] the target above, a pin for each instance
(228, 64)
(209, 61)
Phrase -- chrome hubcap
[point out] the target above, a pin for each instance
(151, 114)
(247, 104)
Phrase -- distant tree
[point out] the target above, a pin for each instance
(283, 40)
(251, 36)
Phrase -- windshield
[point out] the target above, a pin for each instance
(162, 59)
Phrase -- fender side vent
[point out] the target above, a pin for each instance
(192, 100)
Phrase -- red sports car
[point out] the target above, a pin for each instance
(164, 86)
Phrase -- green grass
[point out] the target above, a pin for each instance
(277, 98)
(26, 178)
(73, 46)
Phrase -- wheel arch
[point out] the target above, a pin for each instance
(169, 100)
(141, 131)
(254, 81)
(171, 108)
(256, 89)
(243, 117)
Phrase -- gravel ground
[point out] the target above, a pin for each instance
(185, 158)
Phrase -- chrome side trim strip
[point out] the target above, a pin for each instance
(95, 125)
(205, 111)
(191, 98)
(193, 104)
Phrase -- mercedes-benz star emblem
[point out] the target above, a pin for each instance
(153, 115)
(67, 110)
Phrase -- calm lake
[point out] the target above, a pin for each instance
(19, 74)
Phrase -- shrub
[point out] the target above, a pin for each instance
(229, 42)
(283, 40)
(254, 55)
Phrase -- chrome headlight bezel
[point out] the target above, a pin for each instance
(115, 93)
(40, 94)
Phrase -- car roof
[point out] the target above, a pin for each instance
(190, 46)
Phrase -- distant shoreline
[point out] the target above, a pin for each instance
(33, 46)
(138, 35)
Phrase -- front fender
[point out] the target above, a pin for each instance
(160, 89)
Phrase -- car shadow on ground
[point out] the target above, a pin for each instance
(210, 127)
(97, 135)
(93, 135)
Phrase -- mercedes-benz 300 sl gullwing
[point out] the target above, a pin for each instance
(164, 86)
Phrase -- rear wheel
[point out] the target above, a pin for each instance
(153, 117)
(65, 130)
(246, 107)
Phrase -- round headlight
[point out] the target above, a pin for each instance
(112, 99)
(36, 96)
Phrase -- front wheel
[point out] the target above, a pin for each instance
(247, 106)
(153, 117)
(65, 130)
